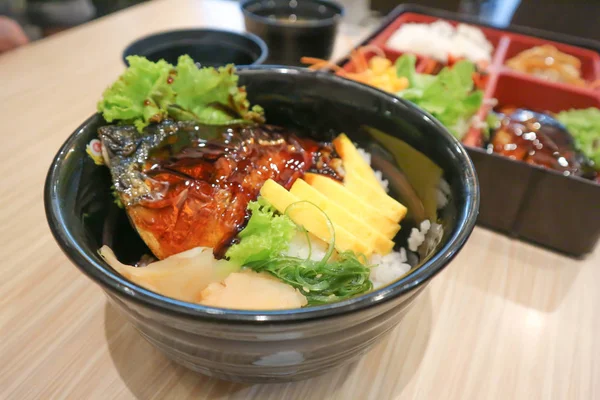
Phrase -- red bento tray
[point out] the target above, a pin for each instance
(529, 202)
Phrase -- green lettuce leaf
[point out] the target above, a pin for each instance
(211, 96)
(449, 96)
(492, 122)
(266, 235)
(584, 126)
(150, 92)
(140, 95)
(406, 67)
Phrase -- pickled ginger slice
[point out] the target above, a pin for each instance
(182, 276)
(249, 290)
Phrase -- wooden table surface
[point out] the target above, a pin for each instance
(506, 320)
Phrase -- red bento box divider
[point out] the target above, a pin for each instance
(512, 89)
(474, 137)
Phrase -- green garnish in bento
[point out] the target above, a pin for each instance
(449, 96)
(584, 126)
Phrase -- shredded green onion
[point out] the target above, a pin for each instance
(320, 282)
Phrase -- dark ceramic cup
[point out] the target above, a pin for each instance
(294, 28)
(208, 47)
(267, 346)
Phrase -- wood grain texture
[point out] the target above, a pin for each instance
(506, 320)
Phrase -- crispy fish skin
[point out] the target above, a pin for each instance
(185, 186)
(126, 151)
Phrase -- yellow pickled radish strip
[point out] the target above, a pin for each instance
(381, 201)
(312, 219)
(340, 194)
(341, 217)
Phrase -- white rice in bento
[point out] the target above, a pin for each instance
(393, 266)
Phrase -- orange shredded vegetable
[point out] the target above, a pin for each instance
(377, 71)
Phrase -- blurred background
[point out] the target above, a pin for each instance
(40, 18)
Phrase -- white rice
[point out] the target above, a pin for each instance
(439, 39)
(364, 154)
(417, 235)
(383, 182)
(442, 193)
(299, 247)
(367, 157)
(389, 268)
(433, 237)
(441, 199)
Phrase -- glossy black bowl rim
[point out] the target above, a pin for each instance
(115, 283)
(264, 49)
(303, 24)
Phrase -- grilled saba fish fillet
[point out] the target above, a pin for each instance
(185, 185)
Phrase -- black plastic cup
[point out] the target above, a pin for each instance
(294, 28)
(208, 47)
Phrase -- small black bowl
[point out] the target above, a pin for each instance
(294, 28)
(208, 47)
(282, 345)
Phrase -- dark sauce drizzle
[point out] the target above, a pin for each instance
(200, 188)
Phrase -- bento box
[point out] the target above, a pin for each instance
(531, 202)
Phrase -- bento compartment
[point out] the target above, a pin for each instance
(514, 89)
(526, 128)
(588, 59)
(492, 35)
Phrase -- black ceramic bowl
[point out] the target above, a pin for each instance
(208, 47)
(267, 346)
(294, 28)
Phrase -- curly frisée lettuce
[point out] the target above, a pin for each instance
(141, 94)
(265, 236)
(149, 92)
(262, 248)
(449, 96)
